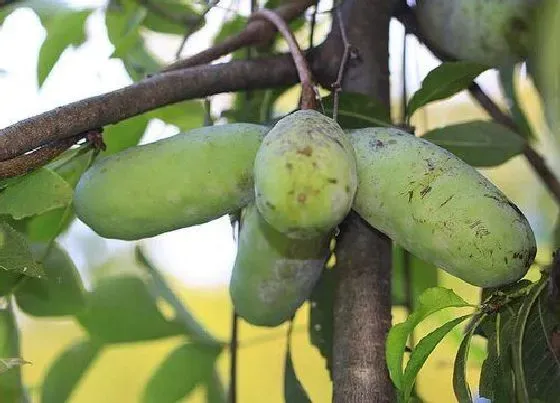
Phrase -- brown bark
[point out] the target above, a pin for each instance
(362, 310)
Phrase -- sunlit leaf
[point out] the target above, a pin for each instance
(444, 81)
(67, 370)
(124, 134)
(59, 292)
(478, 143)
(431, 301)
(63, 30)
(192, 364)
(18, 201)
(121, 309)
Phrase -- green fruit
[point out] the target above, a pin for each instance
(177, 182)
(305, 175)
(490, 32)
(273, 274)
(439, 208)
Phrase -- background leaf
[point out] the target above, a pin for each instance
(293, 389)
(185, 115)
(443, 82)
(508, 80)
(55, 192)
(478, 143)
(191, 363)
(59, 292)
(121, 309)
(11, 386)
(67, 370)
(356, 111)
(15, 254)
(124, 134)
(63, 29)
(182, 21)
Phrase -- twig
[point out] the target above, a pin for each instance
(257, 31)
(27, 162)
(233, 348)
(305, 77)
(188, 33)
(153, 93)
(312, 26)
(337, 85)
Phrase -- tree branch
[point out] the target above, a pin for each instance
(362, 304)
(407, 17)
(257, 31)
(152, 93)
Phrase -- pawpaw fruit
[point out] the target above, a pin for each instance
(177, 182)
(305, 175)
(439, 208)
(490, 32)
(273, 274)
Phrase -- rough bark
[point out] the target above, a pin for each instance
(362, 310)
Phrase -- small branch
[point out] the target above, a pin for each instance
(305, 77)
(155, 92)
(27, 162)
(233, 348)
(337, 85)
(188, 33)
(257, 31)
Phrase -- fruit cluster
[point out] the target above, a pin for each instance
(294, 184)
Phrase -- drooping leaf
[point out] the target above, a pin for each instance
(478, 143)
(193, 364)
(444, 81)
(431, 301)
(321, 316)
(508, 75)
(63, 30)
(67, 370)
(38, 192)
(15, 254)
(421, 352)
(423, 275)
(215, 392)
(121, 309)
(185, 115)
(293, 389)
(171, 17)
(460, 385)
(124, 134)
(11, 385)
(357, 111)
(59, 293)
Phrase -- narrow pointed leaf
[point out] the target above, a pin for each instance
(15, 254)
(293, 389)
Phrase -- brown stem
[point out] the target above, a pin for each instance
(337, 85)
(152, 93)
(257, 31)
(305, 77)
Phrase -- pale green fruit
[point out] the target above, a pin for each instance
(177, 182)
(439, 208)
(305, 175)
(490, 32)
(273, 274)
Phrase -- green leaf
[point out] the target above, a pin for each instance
(460, 385)
(443, 82)
(15, 254)
(18, 200)
(422, 351)
(293, 389)
(184, 20)
(192, 364)
(321, 316)
(121, 309)
(508, 76)
(431, 301)
(478, 143)
(66, 371)
(423, 275)
(11, 386)
(356, 111)
(58, 293)
(215, 392)
(254, 107)
(185, 115)
(63, 30)
(47, 226)
(233, 26)
(124, 134)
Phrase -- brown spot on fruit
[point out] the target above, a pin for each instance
(301, 198)
(307, 151)
(270, 205)
(347, 189)
(332, 180)
(289, 166)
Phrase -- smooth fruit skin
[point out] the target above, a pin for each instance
(305, 175)
(177, 182)
(490, 32)
(439, 208)
(273, 274)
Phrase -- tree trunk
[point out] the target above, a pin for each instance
(362, 306)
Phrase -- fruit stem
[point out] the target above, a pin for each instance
(305, 76)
